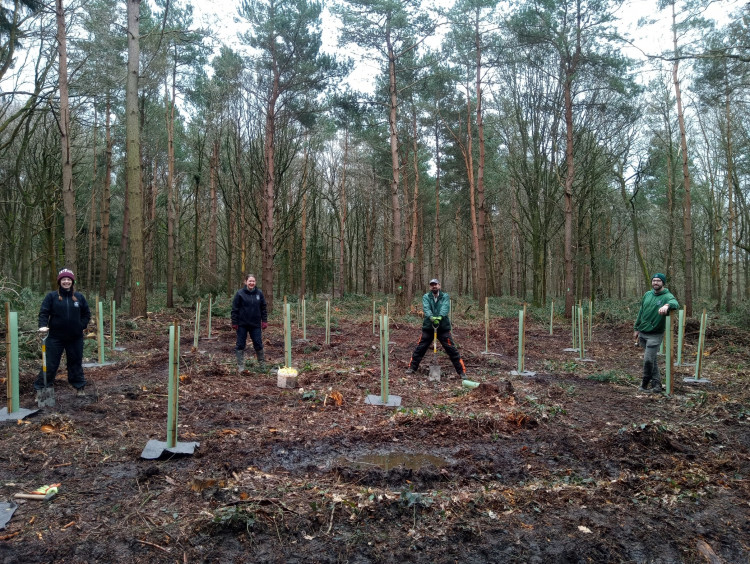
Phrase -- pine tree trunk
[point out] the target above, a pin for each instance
(106, 203)
(68, 192)
(686, 203)
(135, 190)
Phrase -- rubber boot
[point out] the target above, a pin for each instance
(261, 356)
(656, 383)
(240, 360)
(644, 384)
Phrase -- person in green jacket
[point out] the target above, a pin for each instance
(649, 329)
(436, 305)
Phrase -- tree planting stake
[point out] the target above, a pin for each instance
(581, 348)
(699, 354)
(112, 310)
(210, 313)
(486, 325)
(12, 411)
(288, 335)
(384, 398)
(99, 338)
(521, 348)
(100, 330)
(551, 315)
(668, 343)
(328, 322)
(680, 335)
(304, 319)
(573, 329)
(154, 448)
(197, 324)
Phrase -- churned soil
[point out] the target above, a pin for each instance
(570, 464)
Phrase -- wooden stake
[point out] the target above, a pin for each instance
(486, 325)
(551, 315)
(669, 351)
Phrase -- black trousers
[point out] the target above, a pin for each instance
(446, 340)
(74, 358)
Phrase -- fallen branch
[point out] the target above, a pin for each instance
(167, 550)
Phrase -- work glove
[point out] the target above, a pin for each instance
(235, 327)
(435, 320)
(43, 330)
(263, 325)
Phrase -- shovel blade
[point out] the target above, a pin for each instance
(45, 397)
(434, 372)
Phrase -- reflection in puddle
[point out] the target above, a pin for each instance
(409, 460)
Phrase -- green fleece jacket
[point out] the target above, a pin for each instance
(649, 320)
(436, 308)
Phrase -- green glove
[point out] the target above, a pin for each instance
(435, 320)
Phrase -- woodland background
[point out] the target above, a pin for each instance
(521, 154)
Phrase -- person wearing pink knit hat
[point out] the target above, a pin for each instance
(63, 319)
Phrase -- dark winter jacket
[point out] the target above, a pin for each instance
(66, 318)
(436, 308)
(249, 308)
(649, 320)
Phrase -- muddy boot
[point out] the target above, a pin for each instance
(644, 385)
(240, 360)
(261, 356)
(656, 386)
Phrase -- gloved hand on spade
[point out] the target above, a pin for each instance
(436, 320)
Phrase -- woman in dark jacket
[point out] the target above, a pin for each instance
(63, 318)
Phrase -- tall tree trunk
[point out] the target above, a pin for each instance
(132, 132)
(149, 235)
(569, 177)
(730, 204)
(303, 251)
(124, 242)
(687, 205)
(436, 249)
(92, 212)
(269, 185)
(214, 218)
(397, 258)
(171, 204)
(106, 201)
(68, 193)
(414, 212)
(370, 227)
(480, 244)
(342, 219)
(629, 201)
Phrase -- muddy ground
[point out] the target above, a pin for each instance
(570, 465)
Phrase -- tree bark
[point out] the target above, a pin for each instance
(397, 259)
(730, 205)
(106, 202)
(68, 192)
(171, 206)
(269, 188)
(686, 204)
(132, 129)
(481, 210)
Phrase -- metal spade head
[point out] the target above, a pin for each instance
(45, 397)
(434, 372)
